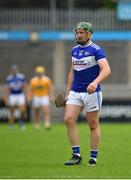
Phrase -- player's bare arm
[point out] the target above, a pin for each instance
(6, 94)
(29, 93)
(25, 90)
(104, 73)
(70, 81)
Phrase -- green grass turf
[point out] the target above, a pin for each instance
(41, 154)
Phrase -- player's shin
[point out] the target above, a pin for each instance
(22, 119)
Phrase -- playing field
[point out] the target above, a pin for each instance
(41, 154)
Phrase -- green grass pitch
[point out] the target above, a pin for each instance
(41, 154)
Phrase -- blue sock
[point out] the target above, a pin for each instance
(11, 126)
(76, 150)
(93, 154)
(21, 122)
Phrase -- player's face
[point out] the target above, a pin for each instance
(14, 70)
(39, 74)
(82, 36)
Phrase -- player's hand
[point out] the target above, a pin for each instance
(92, 87)
(66, 95)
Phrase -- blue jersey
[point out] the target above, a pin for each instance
(15, 83)
(86, 69)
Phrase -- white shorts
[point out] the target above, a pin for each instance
(40, 101)
(91, 102)
(16, 99)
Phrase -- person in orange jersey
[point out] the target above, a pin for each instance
(41, 92)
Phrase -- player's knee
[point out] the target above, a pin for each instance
(23, 114)
(68, 120)
(93, 124)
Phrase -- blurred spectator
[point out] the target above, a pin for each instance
(15, 91)
(41, 92)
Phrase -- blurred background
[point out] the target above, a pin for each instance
(34, 33)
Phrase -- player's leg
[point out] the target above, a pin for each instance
(45, 105)
(46, 111)
(93, 121)
(11, 116)
(21, 104)
(22, 110)
(92, 105)
(12, 103)
(36, 111)
(71, 115)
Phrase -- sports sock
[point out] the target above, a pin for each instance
(21, 122)
(11, 126)
(93, 154)
(76, 150)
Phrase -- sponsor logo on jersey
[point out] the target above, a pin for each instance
(82, 62)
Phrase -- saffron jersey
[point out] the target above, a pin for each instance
(15, 83)
(85, 62)
(40, 86)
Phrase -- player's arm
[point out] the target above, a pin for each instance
(6, 93)
(70, 81)
(29, 92)
(25, 90)
(24, 86)
(105, 71)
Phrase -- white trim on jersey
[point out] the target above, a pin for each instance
(102, 59)
(95, 46)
